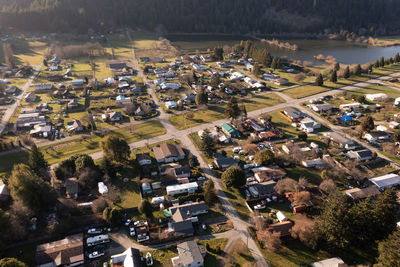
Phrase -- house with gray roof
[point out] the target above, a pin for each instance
(190, 254)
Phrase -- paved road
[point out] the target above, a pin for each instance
(11, 108)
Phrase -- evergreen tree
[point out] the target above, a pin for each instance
(4, 229)
(11, 262)
(233, 177)
(333, 225)
(319, 81)
(384, 214)
(218, 53)
(256, 69)
(336, 66)
(376, 64)
(396, 58)
(278, 63)
(274, 64)
(45, 63)
(333, 76)
(146, 208)
(389, 250)
(264, 157)
(346, 73)
(357, 70)
(201, 98)
(37, 161)
(116, 148)
(232, 109)
(209, 192)
(207, 144)
(367, 124)
(382, 62)
(244, 111)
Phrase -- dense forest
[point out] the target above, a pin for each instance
(366, 17)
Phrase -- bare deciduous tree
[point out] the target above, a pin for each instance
(327, 186)
(303, 231)
(286, 185)
(270, 241)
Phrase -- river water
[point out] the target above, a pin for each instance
(344, 52)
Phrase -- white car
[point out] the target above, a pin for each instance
(210, 166)
(96, 254)
(259, 207)
(268, 200)
(93, 231)
(250, 179)
(128, 222)
(132, 231)
(236, 149)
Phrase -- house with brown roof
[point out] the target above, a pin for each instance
(283, 228)
(268, 174)
(64, 252)
(291, 147)
(168, 153)
(362, 193)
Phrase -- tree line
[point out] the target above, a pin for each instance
(216, 16)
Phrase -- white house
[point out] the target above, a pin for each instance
(309, 125)
(332, 262)
(173, 86)
(122, 99)
(190, 255)
(397, 102)
(170, 105)
(236, 76)
(103, 189)
(376, 97)
(386, 181)
(182, 188)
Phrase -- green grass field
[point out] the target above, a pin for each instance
(214, 113)
(305, 90)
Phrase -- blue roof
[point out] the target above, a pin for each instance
(346, 118)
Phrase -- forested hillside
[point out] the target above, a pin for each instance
(213, 16)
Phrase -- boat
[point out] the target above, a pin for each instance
(149, 259)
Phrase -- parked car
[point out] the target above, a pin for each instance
(128, 222)
(201, 178)
(132, 231)
(94, 231)
(247, 193)
(210, 166)
(236, 149)
(96, 254)
(259, 207)
(250, 179)
(268, 200)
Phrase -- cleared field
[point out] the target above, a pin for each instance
(305, 90)
(214, 113)
(61, 151)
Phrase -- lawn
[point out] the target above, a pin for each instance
(28, 52)
(8, 161)
(211, 258)
(375, 89)
(283, 124)
(305, 90)
(213, 113)
(238, 202)
(162, 257)
(91, 144)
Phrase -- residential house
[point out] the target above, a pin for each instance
(231, 131)
(309, 125)
(65, 252)
(112, 116)
(71, 188)
(340, 140)
(357, 194)
(182, 172)
(283, 228)
(4, 193)
(173, 86)
(376, 97)
(280, 81)
(360, 155)
(264, 174)
(41, 130)
(102, 188)
(386, 181)
(177, 189)
(236, 76)
(189, 255)
(332, 262)
(224, 163)
(188, 211)
(11, 90)
(117, 66)
(146, 188)
(170, 105)
(167, 152)
(397, 102)
(293, 114)
(143, 159)
(199, 67)
(346, 120)
(206, 58)
(313, 163)
(254, 125)
(270, 77)
(377, 136)
(262, 190)
(43, 88)
(129, 258)
(291, 147)
(29, 120)
(269, 135)
(75, 126)
(321, 107)
(351, 106)
(121, 99)
(30, 97)
(73, 103)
